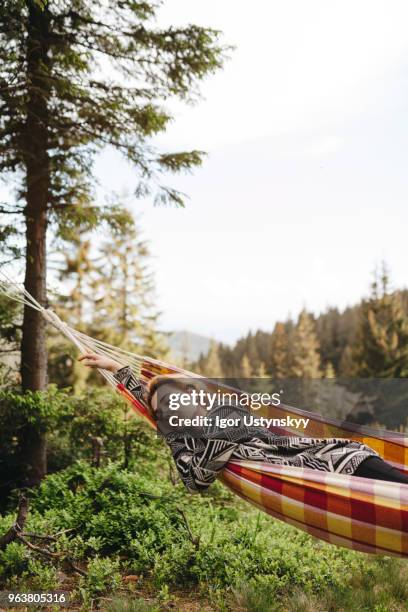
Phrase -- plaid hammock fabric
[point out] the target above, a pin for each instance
(359, 513)
(367, 515)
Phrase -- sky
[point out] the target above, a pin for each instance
(304, 189)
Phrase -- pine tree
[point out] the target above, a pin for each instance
(211, 365)
(329, 371)
(304, 353)
(227, 355)
(74, 78)
(261, 371)
(381, 349)
(347, 367)
(75, 267)
(262, 341)
(121, 290)
(252, 351)
(114, 286)
(245, 367)
(72, 267)
(279, 345)
(124, 292)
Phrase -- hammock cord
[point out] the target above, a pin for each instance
(366, 515)
(84, 343)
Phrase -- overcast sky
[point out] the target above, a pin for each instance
(305, 186)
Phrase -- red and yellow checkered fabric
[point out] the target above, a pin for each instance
(358, 513)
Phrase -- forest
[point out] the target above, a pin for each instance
(90, 502)
(361, 350)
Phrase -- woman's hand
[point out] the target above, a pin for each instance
(92, 360)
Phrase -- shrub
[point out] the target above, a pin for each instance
(70, 421)
(114, 512)
(102, 576)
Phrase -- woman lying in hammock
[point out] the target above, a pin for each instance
(202, 453)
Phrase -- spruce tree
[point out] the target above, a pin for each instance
(75, 77)
(381, 349)
(111, 298)
(246, 370)
(279, 345)
(329, 371)
(74, 266)
(304, 349)
(122, 290)
(261, 371)
(211, 364)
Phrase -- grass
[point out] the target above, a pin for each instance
(380, 586)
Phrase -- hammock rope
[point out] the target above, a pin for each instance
(362, 514)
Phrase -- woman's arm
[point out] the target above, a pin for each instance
(199, 462)
(122, 374)
(93, 360)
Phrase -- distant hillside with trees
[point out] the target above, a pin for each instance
(365, 341)
(187, 346)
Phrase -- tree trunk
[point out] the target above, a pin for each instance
(33, 346)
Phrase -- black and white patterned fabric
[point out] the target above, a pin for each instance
(128, 380)
(199, 460)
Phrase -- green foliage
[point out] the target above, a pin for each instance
(380, 587)
(10, 336)
(39, 576)
(304, 357)
(95, 502)
(39, 411)
(381, 348)
(83, 110)
(13, 560)
(278, 365)
(130, 523)
(71, 422)
(210, 364)
(115, 522)
(153, 540)
(19, 568)
(107, 281)
(102, 576)
(10, 315)
(367, 341)
(131, 605)
(126, 518)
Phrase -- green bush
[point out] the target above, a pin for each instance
(13, 560)
(118, 520)
(70, 421)
(102, 576)
(117, 513)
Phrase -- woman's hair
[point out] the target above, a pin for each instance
(177, 380)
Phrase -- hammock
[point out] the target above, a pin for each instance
(367, 515)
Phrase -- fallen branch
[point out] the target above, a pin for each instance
(47, 537)
(42, 551)
(39, 536)
(16, 533)
(51, 555)
(14, 530)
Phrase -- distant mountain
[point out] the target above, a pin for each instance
(187, 345)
